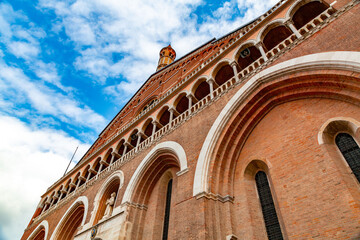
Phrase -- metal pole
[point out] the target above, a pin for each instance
(71, 160)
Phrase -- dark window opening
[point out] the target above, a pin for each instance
(351, 152)
(167, 211)
(268, 208)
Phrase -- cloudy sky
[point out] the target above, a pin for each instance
(68, 66)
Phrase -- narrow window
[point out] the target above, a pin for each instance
(268, 208)
(351, 152)
(167, 211)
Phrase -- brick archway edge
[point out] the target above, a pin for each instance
(169, 146)
(43, 224)
(341, 60)
(79, 200)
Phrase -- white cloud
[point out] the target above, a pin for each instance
(137, 31)
(23, 49)
(30, 160)
(47, 101)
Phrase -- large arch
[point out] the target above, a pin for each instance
(80, 201)
(168, 146)
(44, 225)
(330, 60)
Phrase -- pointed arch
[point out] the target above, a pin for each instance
(78, 209)
(43, 226)
(168, 146)
(330, 60)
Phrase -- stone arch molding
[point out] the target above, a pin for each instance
(117, 174)
(78, 201)
(344, 60)
(334, 125)
(169, 146)
(43, 224)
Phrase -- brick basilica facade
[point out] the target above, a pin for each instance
(251, 136)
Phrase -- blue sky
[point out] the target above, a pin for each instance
(68, 67)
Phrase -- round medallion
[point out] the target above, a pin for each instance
(93, 232)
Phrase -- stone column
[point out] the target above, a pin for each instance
(125, 148)
(211, 81)
(154, 123)
(190, 97)
(114, 154)
(262, 51)
(171, 110)
(293, 28)
(139, 134)
(234, 67)
(101, 166)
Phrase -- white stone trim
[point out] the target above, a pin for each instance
(44, 224)
(168, 146)
(340, 122)
(328, 60)
(79, 200)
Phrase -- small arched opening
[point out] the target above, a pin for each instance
(181, 103)
(120, 150)
(202, 89)
(247, 55)
(275, 35)
(148, 127)
(224, 74)
(164, 116)
(307, 12)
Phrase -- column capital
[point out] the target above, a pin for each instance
(190, 95)
(116, 154)
(156, 123)
(210, 80)
(173, 110)
(259, 44)
(289, 22)
(233, 63)
(140, 134)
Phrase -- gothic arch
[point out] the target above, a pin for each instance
(331, 60)
(332, 126)
(80, 201)
(43, 226)
(116, 176)
(168, 146)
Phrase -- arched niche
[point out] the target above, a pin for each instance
(112, 185)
